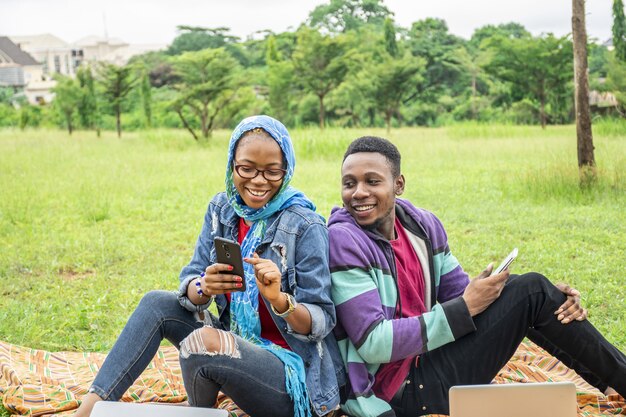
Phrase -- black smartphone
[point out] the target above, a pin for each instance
(229, 252)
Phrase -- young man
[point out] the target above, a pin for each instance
(410, 322)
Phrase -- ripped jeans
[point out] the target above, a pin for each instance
(251, 376)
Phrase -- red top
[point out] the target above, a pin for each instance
(269, 330)
(411, 292)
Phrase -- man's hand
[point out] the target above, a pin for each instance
(484, 290)
(571, 309)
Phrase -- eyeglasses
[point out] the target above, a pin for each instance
(248, 172)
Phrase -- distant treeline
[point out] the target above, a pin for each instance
(349, 64)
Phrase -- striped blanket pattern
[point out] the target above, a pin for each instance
(36, 382)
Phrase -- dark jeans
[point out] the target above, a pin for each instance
(526, 305)
(255, 380)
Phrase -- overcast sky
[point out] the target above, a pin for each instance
(155, 21)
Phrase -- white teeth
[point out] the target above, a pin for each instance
(363, 208)
(257, 193)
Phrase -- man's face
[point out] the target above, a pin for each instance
(369, 190)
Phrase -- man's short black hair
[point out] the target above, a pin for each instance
(379, 145)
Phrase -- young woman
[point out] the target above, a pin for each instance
(271, 347)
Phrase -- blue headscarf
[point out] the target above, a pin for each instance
(244, 306)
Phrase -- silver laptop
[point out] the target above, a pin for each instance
(550, 399)
(123, 409)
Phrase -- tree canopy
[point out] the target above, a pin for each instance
(348, 64)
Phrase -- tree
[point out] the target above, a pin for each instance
(390, 38)
(392, 81)
(509, 30)
(209, 83)
(539, 69)
(280, 82)
(341, 16)
(116, 83)
(616, 80)
(430, 40)
(195, 38)
(67, 99)
(586, 160)
(619, 30)
(146, 96)
(320, 64)
(471, 64)
(88, 107)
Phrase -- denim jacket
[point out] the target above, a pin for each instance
(296, 240)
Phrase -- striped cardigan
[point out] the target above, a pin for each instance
(365, 292)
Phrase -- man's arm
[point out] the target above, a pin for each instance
(363, 291)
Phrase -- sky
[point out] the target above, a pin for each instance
(155, 21)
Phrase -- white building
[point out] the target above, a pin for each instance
(21, 71)
(56, 55)
(96, 48)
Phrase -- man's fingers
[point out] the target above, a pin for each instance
(501, 277)
(573, 312)
(486, 272)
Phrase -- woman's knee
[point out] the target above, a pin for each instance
(208, 341)
(158, 300)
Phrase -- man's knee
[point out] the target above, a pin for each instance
(532, 280)
(210, 342)
(533, 283)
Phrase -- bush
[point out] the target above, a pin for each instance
(8, 115)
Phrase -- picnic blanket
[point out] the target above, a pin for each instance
(36, 382)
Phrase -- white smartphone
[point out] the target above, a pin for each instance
(505, 264)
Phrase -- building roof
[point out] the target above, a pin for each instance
(13, 53)
(39, 42)
(95, 40)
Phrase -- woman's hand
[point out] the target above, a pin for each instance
(571, 309)
(215, 281)
(267, 278)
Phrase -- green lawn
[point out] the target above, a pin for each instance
(88, 225)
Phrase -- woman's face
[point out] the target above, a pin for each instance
(257, 151)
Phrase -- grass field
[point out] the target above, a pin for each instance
(88, 225)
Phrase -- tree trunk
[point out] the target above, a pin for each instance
(68, 119)
(542, 111)
(118, 121)
(322, 112)
(182, 119)
(586, 160)
(388, 120)
(204, 121)
(474, 116)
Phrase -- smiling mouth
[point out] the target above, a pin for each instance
(257, 193)
(363, 208)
